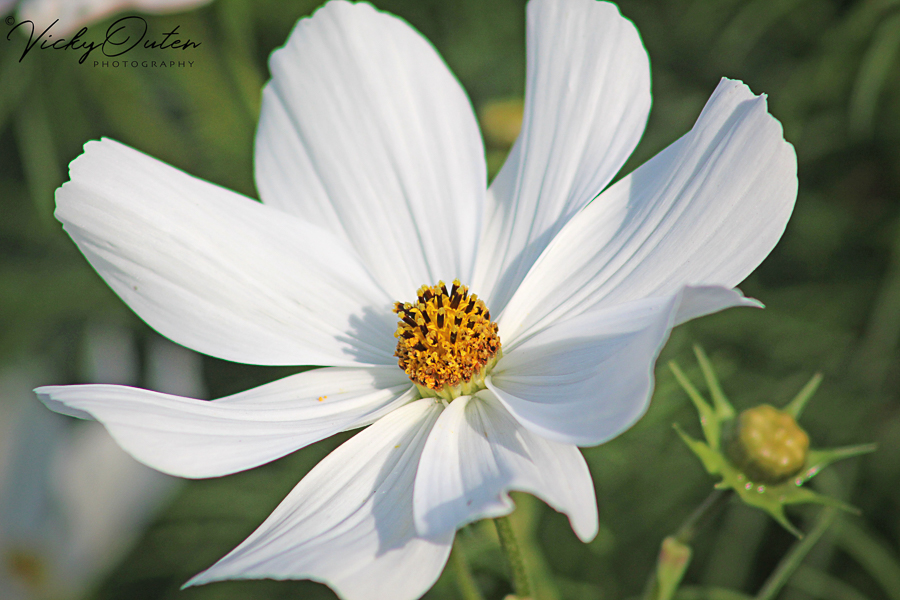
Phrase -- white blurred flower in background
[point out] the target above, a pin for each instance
(72, 502)
(75, 14)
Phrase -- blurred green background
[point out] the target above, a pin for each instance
(832, 286)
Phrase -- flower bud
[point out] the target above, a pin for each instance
(762, 454)
(768, 445)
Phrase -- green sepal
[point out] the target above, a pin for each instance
(724, 409)
(802, 495)
(709, 421)
(712, 460)
(795, 407)
(771, 498)
(819, 459)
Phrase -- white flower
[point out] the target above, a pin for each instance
(72, 503)
(75, 14)
(371, 171)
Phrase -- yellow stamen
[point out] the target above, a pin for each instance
(446, 341)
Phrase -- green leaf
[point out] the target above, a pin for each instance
(15, 76)
(873, 76)
(35, 139)
(820, 584)
(709, 593)
(880, 562)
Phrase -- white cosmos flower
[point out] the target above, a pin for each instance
(72, 15)
(371, 171)
(72, 503)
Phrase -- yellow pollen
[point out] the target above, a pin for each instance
(446, 340)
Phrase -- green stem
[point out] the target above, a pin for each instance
(685, 534)
(701, 515)
(464, 579)
(514, 556)
(792, 560)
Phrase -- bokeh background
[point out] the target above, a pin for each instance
(78, 520)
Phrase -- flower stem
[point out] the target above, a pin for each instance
(674, 554)
(464, 579)
(798, 552)
(514, 556)
(701, 514)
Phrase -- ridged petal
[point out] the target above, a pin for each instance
(477, 453)
(587, 379)
(705, 211)
(587, 99)
(199, 438)
(365, 132)
(349, 522)
(220, 273)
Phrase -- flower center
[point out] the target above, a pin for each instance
(446, 341)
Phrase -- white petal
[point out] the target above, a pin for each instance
(199, 438)
(218, 272)
(477, 453)
(366, 132)
(74, 14)
(164, 6)
(587, 379)
(349, 522)
(705, 211)
(586, 104)
(698, 301)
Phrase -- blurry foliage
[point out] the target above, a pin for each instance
(832, 286)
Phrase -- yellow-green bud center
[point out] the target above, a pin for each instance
(768, 445)
(446, 340)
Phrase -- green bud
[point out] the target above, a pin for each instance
(674, 557)
(762, 454)
(767, 445)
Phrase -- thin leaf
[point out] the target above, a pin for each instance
(15, 76)
(819, 584)
(709, 593)
(34, 137)
(873, 76)
(880, 562)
